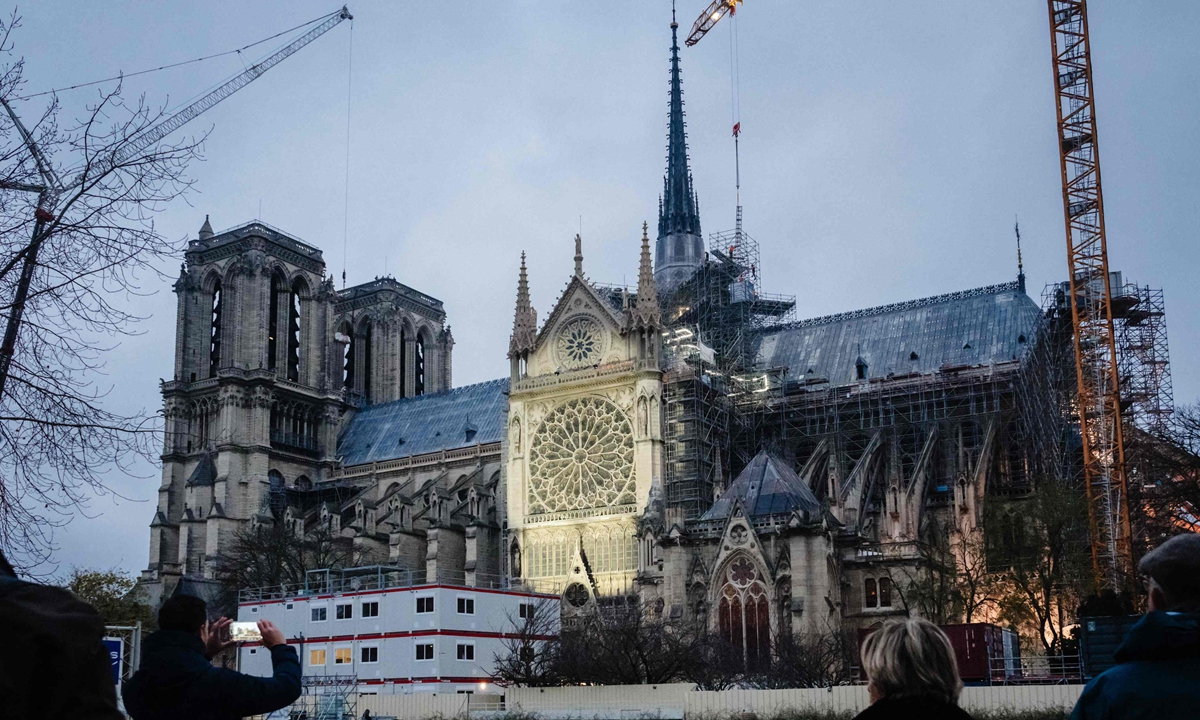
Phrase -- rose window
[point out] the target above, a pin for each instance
(580, 343)
(581, 457)
(577, 595)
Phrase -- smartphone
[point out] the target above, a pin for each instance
(245, 632)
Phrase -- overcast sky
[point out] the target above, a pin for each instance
(886, 148)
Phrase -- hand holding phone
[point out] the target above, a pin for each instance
(245, 632)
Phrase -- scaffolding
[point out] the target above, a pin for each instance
(713, 325)
(1145, 372)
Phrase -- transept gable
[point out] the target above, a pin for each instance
(739, 539)
(584, 329)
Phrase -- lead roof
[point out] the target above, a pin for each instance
(462, 417)
(984, 326)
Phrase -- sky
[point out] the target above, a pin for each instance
(886, 150)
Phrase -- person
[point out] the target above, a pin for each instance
(1158, 664)
(56, 665)
(911, 673)
(176, 681)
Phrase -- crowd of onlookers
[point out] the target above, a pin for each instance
(56, 667)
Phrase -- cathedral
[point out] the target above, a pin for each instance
(689, 444)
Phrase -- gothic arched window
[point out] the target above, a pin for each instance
(743, 613)
(870, 593)
(885, 592)
(419, 365)
(349, 346)
(293, 361)
(273, 322)
(214, 338)
(277, 500)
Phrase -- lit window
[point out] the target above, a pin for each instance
(466, 651)
(885, 592)
(870, 593)
(466, 606)
(424, 604)
(342, 656)
(424, 651)
(316, 657)
(370, 609)
(344, 612)
(369, 654)
(319, 614)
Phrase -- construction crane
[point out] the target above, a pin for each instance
(1091, 297)
(710, 17)
(51, 189)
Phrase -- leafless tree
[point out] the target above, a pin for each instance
(1042, 544)
(271, 555)
(58, 440)
(530, 649)
(809, 660)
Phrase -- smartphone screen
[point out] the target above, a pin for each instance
(244, 632)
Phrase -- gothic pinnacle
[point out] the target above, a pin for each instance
(524, 319)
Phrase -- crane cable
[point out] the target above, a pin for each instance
(346, 202)
(178, 64)
(735, 110)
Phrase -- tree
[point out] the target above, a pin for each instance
(113, 593)
(57, 439)
(530, 652)
(271, 555)
(811, 660)
(1042, 544)
(1164, 479)
(930, 588)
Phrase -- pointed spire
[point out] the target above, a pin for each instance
(578, 256)
(678, 214)
(647, 312)
(524, 331)
(206, 230)
(1020, 264)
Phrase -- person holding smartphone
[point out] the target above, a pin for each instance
(177, 681)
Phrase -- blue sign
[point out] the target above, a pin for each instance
(114, 647)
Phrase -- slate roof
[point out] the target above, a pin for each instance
(975, 327)
(462, 417)
(205, 472)
(767, 486)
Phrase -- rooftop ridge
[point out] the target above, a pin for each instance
(437, 395)
(897, 307)
(386, 282)
(269, 231)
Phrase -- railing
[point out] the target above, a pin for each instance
(306, 444)
(1036, 670)
(337, 582)
(541, 381)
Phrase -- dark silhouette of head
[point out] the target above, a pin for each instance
(185, 613)
(1174, 572)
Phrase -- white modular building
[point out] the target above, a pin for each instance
(390, 630)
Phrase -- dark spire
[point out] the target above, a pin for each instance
(678, 213)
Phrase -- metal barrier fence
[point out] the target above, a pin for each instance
(679, 701)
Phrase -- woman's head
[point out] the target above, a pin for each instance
(911, 658)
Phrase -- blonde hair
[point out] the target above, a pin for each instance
(911, 658)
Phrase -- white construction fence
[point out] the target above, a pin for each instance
(680, 701)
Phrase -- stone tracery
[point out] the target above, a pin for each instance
(581, 457)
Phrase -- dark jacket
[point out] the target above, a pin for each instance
(176, 682)
(916, 708)
(54, 665)
(1158, 675)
